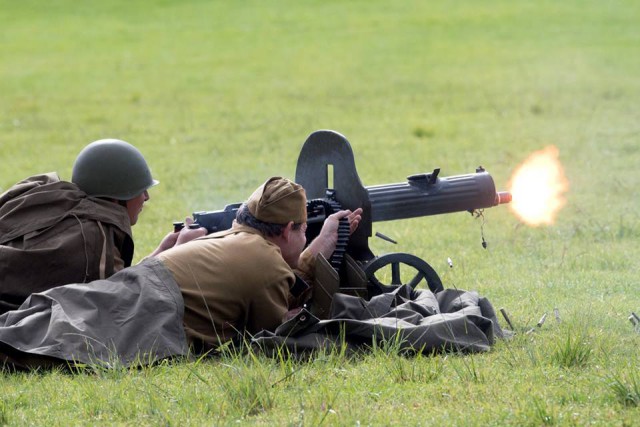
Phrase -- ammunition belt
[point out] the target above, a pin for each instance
(332, 206)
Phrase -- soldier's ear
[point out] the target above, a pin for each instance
(286, 231)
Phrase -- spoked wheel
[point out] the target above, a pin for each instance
(401, 266)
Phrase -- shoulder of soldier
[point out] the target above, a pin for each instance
(28, 184)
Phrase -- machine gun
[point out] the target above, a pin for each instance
(326, 169)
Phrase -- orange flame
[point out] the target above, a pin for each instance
(538, 186)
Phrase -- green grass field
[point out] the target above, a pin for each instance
(221, 95)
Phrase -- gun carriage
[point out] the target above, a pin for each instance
(326, 169)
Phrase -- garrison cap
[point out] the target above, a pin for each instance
(278, 201)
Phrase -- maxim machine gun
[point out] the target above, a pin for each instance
(326, 169)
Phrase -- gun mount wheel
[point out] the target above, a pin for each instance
(418, 272)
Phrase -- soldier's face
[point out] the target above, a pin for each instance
(134, 206)
(300, 238)
(295, 245)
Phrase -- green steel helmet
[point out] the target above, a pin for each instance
(112, 168)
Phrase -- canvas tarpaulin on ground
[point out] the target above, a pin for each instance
(136, 317)
(411, 320)
(133, 317)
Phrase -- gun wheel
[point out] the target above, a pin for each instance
(401, 266)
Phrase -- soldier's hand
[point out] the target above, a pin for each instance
(187, 234)
(330, 225)
(354, 220)
(179, 237)
(326, 241)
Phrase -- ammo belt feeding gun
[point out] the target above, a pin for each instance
(326, 169)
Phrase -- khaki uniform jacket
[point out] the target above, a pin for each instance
(52, 233)
(232, 282)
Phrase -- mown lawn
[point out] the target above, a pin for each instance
(221, 95)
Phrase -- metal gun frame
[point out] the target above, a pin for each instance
(326, 162)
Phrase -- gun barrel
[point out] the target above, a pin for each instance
(425, 195)
(503, 197)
